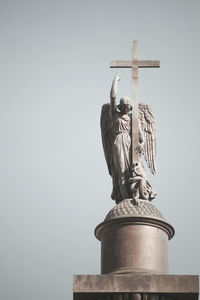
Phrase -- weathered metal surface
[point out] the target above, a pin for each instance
(137, 220)
(148, 63)
(139, 63)
(93, 287)
(128, 132)
(135, 64)
(135, 111)
(134, 239)
(127, 209)
(120, 139)
(127, 248)
(121, 64)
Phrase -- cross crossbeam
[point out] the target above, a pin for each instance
(134, 65)
(138, 63)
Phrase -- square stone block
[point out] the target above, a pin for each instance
(93, 287)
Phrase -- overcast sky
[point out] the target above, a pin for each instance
(54, 183)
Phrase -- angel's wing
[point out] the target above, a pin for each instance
(147, 121)
(106, 134)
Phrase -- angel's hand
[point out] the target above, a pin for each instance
(117, 77)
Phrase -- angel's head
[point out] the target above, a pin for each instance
(124, 105)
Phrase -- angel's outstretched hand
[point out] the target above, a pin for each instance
(117, 77)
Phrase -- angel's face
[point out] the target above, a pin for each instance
(125, 108)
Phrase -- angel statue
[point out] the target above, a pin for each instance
(129, 179)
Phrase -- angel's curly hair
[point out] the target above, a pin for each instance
(124, 100)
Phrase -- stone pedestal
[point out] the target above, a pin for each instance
(136, 287)
(134, 239)
(134, 259)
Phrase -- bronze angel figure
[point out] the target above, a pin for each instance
(129, 180)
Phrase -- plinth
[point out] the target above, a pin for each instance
(134, 238)
(134, 259)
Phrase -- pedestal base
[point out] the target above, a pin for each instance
(136, 286)
(134, 239)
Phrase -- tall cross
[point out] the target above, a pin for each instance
(134, 65)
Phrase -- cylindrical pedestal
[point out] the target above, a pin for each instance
(134, 241)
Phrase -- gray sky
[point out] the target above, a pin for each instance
(54, 184)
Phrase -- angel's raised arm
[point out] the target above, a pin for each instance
(113, 95)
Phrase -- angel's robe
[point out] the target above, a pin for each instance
(121, 157)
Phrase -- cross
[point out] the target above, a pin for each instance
(134, 65)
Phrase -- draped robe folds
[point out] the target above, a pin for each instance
(121, 157)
